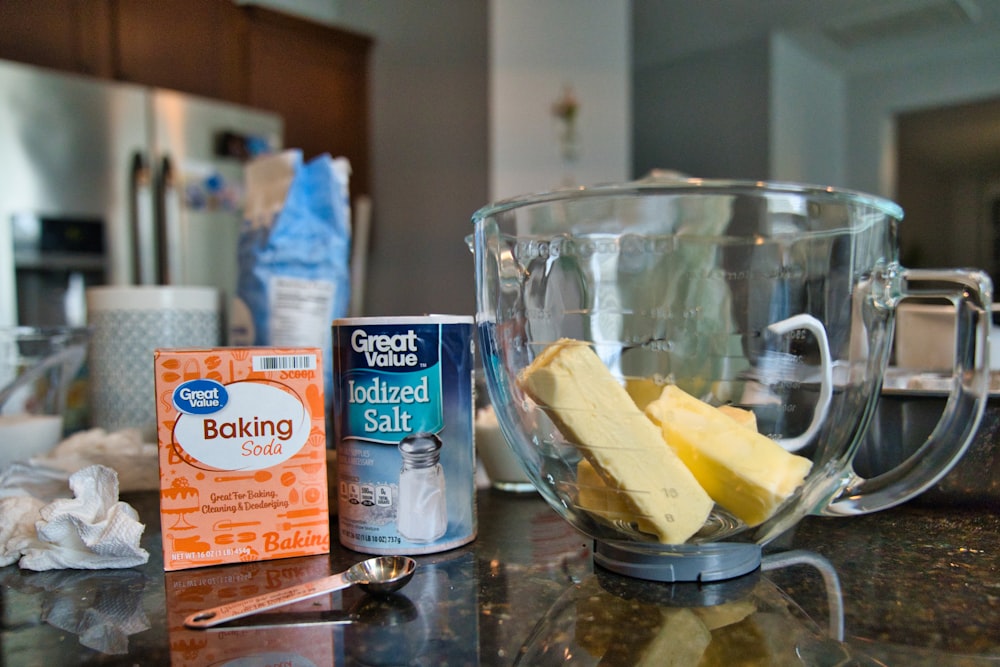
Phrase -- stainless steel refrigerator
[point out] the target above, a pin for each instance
(105, 182)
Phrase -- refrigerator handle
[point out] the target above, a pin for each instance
(168, 228)
(142, 222)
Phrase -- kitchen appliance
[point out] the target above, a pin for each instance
(914, 394)
(776, 300)
(908, 410)
(107, 182)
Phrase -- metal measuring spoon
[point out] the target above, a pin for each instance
(380, 575)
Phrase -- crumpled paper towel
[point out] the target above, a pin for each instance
(91, 530)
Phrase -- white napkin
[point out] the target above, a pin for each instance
(91, 530)
(17, 525)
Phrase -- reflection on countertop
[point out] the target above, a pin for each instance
(921, 584)
(914, 586)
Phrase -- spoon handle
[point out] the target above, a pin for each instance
(208, 618)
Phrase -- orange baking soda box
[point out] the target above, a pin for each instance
(242, 448)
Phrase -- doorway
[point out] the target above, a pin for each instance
(948, 183)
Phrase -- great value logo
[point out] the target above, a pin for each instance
(200, 397)
(387, 350)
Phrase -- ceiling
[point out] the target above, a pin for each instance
(852, 34)
(856, 36)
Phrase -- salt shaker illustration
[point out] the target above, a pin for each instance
(423, 514)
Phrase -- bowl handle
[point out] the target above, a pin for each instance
(972, 293)
(815, 327)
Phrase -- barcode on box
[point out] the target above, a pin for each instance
(285, 362)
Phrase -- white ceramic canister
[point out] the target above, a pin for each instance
(403, 423)
(128, 323)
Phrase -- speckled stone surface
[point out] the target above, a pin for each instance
(914, 577)
(919, 585)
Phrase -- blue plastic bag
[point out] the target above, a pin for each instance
(294, 254)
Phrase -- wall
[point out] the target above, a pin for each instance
(429, 81)
(875, 98)
(322, 11)
(760, 109)
(946, 221)
(706, 115)
(462, 95)
(791, 110)
(775, 108)
(537, 49)
(808, 117)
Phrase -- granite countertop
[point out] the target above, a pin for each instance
(915, 585)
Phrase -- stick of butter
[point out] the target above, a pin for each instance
(611, 504)
(598, 498)
(578, 392)
(747, 473)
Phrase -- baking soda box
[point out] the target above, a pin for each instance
(242, 446)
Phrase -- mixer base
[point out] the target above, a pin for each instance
(683, 562)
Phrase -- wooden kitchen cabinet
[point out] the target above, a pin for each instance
(68, 35)
(194, 46)
(315, 76)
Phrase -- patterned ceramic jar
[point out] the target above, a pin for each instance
(129, 323)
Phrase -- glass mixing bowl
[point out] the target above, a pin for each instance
(685, 369)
